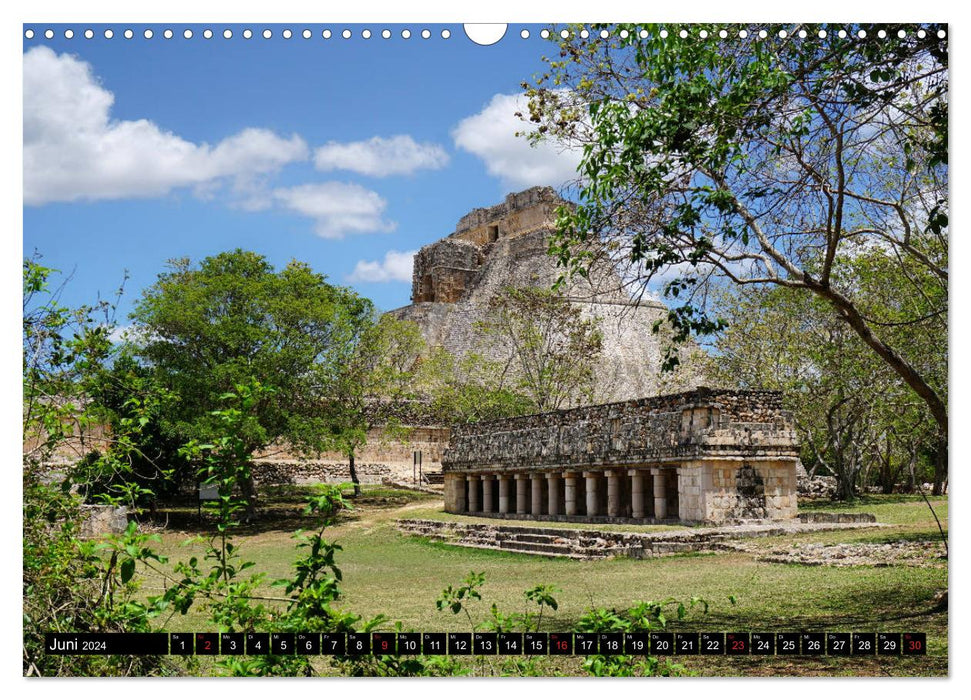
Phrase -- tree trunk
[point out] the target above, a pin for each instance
(845, 485)
(248, 487)
(886, 479)
(904, 369)
(354, 479)
(940, 466)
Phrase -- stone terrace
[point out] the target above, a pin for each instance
(709, 455)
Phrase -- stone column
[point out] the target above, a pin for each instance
(537, 487)
(660, 494)
(553, 493)
(503, 493)
(570, 492)
(593, 508)
(487, 486)
(613, 493)
(458, 493)
(637, 493)
(522, 503)
(473, 493)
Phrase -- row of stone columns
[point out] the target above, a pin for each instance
(520, 502)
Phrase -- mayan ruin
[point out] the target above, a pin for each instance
(703, 456)
(506, 245)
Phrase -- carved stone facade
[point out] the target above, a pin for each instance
(506, 245)
(707, 455)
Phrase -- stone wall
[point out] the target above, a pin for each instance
(586, 543)
(381, 448)
(520, 213)
(755, 490)
(444, 271)
(318, 471)
(672, 428)
(100, 520)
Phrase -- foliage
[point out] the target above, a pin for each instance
(72, 584)
(375, 379)
(140, 461)
(204, 330)
(231, 599)
(548, 350)
(62, 348)
(469, 388)
(641, 617)
(770, 161)
(76, 585)
(457, 599)
(541, 596)
(856, 418)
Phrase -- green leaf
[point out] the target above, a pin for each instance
(127, 570)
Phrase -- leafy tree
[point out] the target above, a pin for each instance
(548, 350)
(469, 388)
(62, 348)
(373, 385)
(140, 459)
(854, 414)
(768, 161)
(71, 584)
(204, 330)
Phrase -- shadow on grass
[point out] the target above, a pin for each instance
(893, 538)
(863, 501)
(721, 617)
(280, 507)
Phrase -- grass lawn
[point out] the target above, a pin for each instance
(401, 577)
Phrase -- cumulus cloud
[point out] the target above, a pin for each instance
(396, 267)
(491, 135)
(132, 333)
(337, 208)
(380, 157)
(74, 150)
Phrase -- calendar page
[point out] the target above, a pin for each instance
(485, 350)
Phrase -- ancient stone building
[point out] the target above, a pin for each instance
(700, 456)
(506, 246)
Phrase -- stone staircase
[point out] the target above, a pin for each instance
(555, 542)
(586, 544)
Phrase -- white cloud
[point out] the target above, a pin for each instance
(74, 150)
(491, 135)
(379, 157)
(132, 333)
(396, 267)
(337, 208)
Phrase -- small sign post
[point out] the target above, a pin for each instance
(416, 467)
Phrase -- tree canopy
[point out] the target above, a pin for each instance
(206, 330)
(773, 160)
(374, 382)
(547, 349)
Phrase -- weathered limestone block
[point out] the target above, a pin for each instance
(473, 487)
(570, 481)
(103, 520)
(488, 486)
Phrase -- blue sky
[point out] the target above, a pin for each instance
(348, 154)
